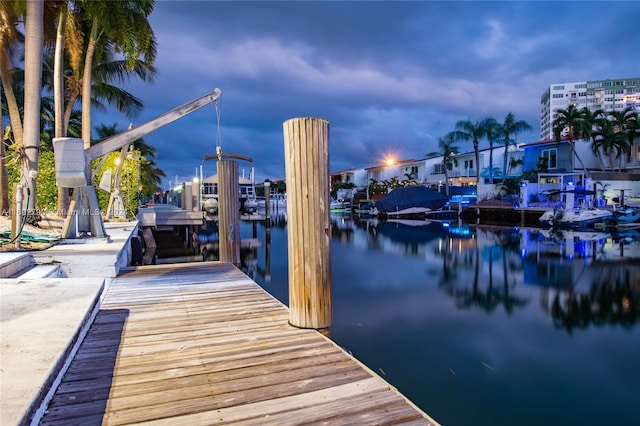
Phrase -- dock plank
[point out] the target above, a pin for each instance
(198, 344)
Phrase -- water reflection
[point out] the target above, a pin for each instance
(585, 277)
(481, 325)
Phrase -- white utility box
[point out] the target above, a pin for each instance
(70, 162)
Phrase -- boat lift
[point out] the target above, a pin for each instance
(73, 167)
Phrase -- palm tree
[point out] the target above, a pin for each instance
(626, 123)
(606, 141)
(592, 121)
(510, 126)
(474, 131)
(492, 129)
(448, 151)
(570, 121)
(10, 37)
(32, 87)
(124, 25)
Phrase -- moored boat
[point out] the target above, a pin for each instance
(624, 215)
(570, 216)
(410, 202)
(574, 217)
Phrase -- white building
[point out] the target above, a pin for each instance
(607, 95)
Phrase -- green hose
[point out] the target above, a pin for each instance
(27, 237)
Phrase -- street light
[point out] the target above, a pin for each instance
(196, 189)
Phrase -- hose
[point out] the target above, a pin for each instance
(27, 237)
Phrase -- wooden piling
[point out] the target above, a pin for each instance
(307, 175)
(228, 212)
(267, 202)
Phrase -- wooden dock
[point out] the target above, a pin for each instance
(201, 344)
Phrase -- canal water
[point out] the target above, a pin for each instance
(482, 325)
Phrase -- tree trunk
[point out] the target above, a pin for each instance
(4, 181)
(491, 162)
(477, 152)
(446, 179)
(86, 88)
(58, 98)
(12, 104)
(16, 127)
(58, 81)
(575, 153)
(504, 163)
(32, 87)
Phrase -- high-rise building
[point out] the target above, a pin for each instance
(607, 95)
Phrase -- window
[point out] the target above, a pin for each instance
(438, 169)
(558, 95)
(209, 188)
(468, 164)
(558, 87)
(551, 157)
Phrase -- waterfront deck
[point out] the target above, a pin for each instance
(199, 344)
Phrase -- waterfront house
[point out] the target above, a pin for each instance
(561, 168)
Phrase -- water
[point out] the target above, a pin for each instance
(484, 326)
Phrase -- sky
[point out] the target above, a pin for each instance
(391, 77)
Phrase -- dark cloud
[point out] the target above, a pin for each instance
(389, 76)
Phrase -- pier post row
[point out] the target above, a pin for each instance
(306, 148)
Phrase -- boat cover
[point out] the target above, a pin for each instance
(411, 196)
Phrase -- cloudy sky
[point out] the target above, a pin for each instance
(391, 77)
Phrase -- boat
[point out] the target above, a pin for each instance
(410, 202)
(570, 216)
(246, 193)
(276, 201)
(625, 215)
(576, 217)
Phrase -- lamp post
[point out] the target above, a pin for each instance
(196, 190)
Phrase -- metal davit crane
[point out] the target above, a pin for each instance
(73, 167)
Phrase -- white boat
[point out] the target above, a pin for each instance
(574, 217)
(246, 189)
(570, 216)
(276, 201)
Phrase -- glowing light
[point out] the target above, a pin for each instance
(390, 161)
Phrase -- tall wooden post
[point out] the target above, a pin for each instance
(228, 212)
(306, 148)
(267, 202)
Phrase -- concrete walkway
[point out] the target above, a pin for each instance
(41, 318)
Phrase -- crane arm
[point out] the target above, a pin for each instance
(118, 141)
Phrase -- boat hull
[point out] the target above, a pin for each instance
(574, 218)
